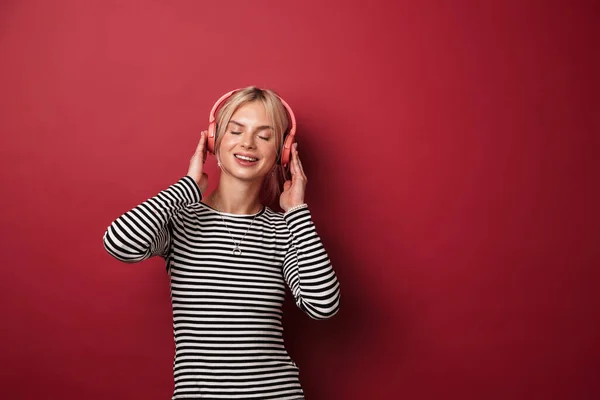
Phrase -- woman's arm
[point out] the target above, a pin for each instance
(144, 231)
(307, 269)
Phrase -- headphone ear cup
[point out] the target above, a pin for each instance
(210, 142)
(286, 150)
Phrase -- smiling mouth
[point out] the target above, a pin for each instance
(244, 158)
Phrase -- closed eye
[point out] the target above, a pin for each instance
(236, 133)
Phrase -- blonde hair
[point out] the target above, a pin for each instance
(278, 119)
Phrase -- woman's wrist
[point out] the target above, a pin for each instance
(294, 208)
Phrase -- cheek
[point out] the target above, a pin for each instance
(269, 151)
(228, 140)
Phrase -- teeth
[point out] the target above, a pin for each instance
(245, 158)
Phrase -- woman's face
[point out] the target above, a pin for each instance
(248, 150)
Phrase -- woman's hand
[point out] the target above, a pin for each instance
(293, 191)
(197, 164)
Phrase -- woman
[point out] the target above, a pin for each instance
(229, 256)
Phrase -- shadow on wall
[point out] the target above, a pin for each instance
(359, 352)
(361, 348)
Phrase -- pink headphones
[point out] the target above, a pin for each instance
(288, 138)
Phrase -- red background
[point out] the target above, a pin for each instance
(451, 149)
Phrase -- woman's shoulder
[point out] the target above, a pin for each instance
(275, 219)
(272, 215)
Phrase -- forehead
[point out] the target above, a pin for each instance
(251, 113)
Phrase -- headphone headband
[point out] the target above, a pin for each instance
(288, 139)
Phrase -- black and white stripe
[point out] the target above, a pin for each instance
(227, 308)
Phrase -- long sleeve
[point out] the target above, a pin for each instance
(307, 269)
(144, 231)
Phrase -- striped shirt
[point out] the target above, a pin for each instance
(227, 307)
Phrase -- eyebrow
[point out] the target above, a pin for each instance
(259, 128)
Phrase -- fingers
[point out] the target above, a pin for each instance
(297, 163)
(201, 148)
(201, 142)
(300, 165)
(198, 158)
(293, 161)
(294, 169)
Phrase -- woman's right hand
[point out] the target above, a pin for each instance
(197, 164)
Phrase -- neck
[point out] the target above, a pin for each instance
(235, 196)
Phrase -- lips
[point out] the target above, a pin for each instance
(245, 158)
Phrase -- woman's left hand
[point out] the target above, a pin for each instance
(293, 190)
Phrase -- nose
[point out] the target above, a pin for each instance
(248, 140)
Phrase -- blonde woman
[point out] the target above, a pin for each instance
(230, 257)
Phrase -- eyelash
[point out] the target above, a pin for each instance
(239, 133)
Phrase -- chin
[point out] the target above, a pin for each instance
(245, 173)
